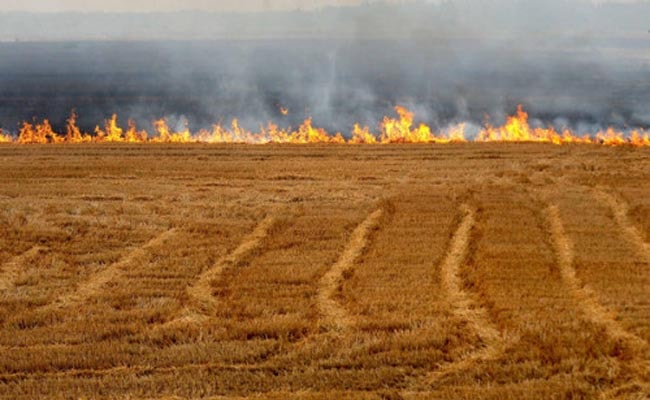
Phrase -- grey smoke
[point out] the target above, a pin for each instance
(572, 64)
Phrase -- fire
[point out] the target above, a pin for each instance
(517, 129)
(638, 138)
(611, 137)
(73, 133)
(165, 135)
(5, 138)
(400, 129)
(38, 134)
(112, 133)
(132, 134)
(284, 111)
(362, 135)
(309, 134)
(456, 134)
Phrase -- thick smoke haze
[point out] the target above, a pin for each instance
(572, 64)
(169, 5)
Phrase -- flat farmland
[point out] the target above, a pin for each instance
(469, 271)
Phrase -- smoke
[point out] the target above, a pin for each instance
(571, 64)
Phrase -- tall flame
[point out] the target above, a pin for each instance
(362, 135)
(38, 133)
(73, 133)
(4, 138)
(517, 129)
(401, 129)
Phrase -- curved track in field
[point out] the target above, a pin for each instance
(620, 210)
(202, 301)
(585, 299)
(461, 303)
(334, 314)
(96, 282)
(201, 292)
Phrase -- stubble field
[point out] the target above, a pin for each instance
(315, 272)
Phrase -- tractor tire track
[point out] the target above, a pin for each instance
(334, 315)
(202, 302)
(10, 271)
(460, 302)
(585, 299)
(620, 210)
(96, 282)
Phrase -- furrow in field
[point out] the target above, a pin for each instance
(96, 282)
(585, 298)
(334, 313)
(461, 303)
(401, 321)
(201, 291)
(620, 210)
(276, 296)
(513, 272)
(609, 269)
(202, 301)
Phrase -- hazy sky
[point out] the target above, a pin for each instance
(165, 5)
(176, 5)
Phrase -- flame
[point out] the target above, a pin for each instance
(73, 133)
(132, 134)
(362, 135)
(38, 133)
(4, 138)
(273, 134)
(284, 111)
(638, 138)
(165, 135)
(456, 134)
(400, 129)
(611, 137)
(517, 129)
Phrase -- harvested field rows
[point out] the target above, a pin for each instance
(461, 271)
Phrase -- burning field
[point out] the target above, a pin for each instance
(392, 130)
(466, 270)
(393, 200)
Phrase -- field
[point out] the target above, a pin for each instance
(475, 271)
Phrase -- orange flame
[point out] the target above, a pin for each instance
(401, 131)
(391, 130)
(362, 135)
(132, 134)
(5, 138)
(73, 133)
(638, 138)
(38, 134)
(165, 135)
(517, 129)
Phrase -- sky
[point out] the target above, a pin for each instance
(180, 5)
(166, 5)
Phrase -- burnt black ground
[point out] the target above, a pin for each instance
(569, 83)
